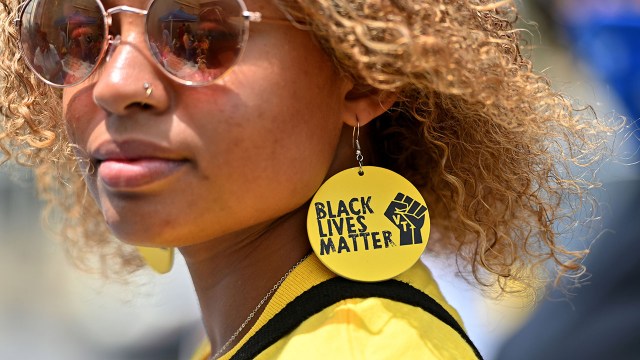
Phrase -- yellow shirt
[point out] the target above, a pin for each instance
(369, 328)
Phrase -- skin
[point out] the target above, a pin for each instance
(251, 150)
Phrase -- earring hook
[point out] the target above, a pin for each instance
(356, 145)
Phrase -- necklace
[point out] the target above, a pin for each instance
(253, 313)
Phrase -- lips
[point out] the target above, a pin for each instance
(134, 164)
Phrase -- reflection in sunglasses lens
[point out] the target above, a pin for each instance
(199, 44)
(62, 43)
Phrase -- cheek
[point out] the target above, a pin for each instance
(258, 147)
(79, 115)
(265, 150)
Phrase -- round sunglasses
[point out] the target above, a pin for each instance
(63, 44)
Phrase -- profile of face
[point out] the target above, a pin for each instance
(180, 165)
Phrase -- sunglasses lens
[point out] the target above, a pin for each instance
(62, 40)
(196, 45)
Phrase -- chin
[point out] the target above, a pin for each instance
(141, 230)
(136, 235)
(138, 230)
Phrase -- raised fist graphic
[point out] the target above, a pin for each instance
(408, 215)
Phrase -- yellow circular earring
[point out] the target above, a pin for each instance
(368, 223)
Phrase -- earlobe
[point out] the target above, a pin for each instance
(365, 103)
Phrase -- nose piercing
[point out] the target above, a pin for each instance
(148, 89)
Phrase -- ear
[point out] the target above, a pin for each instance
(364, 103)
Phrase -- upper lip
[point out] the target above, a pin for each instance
(130, 150)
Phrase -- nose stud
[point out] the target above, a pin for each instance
(148, 89)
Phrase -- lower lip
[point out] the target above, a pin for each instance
(121, 174)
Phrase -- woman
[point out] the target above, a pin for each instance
(226, 170)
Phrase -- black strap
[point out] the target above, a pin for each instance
(332, 291)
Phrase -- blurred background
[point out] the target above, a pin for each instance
(50, 310)
(590, 50)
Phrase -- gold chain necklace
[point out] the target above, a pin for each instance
(253, 313)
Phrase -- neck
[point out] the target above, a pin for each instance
(231, 280)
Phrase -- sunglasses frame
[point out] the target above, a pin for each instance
(110, 42)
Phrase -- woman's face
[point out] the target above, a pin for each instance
(188, 164)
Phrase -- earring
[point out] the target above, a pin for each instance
(368, 223)
(158, 259)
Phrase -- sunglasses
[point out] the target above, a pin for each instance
(63, 44)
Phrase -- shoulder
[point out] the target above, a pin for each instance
(406, 317)
(326, 317)
(372, 328)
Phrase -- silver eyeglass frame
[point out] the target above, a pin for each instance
(111, 42)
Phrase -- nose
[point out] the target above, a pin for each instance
(129, 80)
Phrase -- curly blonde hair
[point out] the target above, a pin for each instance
(491, 145)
